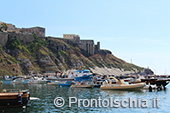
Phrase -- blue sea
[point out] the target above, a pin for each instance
(47, 94)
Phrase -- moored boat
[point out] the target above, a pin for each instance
(157, 82)
(120, 85)
(14, 99)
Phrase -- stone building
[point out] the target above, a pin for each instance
(97, 48)
(24, 34)
(73, 37)
(39, 31)
(86, 45)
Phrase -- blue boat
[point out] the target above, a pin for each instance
(84, 77)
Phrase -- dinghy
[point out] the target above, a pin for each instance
(120, 85)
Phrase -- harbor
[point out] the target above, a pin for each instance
(88, 56)
(42, 90)
(47, 93)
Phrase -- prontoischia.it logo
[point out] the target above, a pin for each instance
(109, 102)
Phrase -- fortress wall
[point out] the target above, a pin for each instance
(24, 37)
(3, 38)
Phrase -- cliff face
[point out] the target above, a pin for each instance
(48, 54)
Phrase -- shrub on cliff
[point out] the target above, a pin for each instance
(13, 43)
(36, 44)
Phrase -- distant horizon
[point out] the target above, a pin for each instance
(136, 31)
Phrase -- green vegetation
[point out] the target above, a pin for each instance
(34, 46)
(63, 53)
(13, 43)
(36, 54)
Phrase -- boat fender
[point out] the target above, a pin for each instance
(29, 95)
(150, 88)
(4, 91)
(19, 98)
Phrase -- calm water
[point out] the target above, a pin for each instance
(48, 93)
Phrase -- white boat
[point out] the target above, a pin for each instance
(38, 80)
(79, 73)
(18, 81)
(113, 84)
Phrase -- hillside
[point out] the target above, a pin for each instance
(45, 55)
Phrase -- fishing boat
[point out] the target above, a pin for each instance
(113, 84)
(14, 99)
(80, 75)
(155, 81)
(38, 80)
(65, 84)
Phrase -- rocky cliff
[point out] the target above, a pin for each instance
(46, 55)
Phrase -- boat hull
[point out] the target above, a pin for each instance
(13, 99)
(122, 87)
(64, 85)
(85, 77)
(82, 86)
(155, 82)
(55, 84)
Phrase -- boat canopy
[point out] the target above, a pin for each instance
(84, 71)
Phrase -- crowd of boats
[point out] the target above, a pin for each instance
(84, 78)
(79, 79)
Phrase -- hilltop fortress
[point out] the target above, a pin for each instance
(36, 53)
(26, 35)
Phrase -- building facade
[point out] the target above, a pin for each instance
(86, 45)
(24, 34)
(39, 31)
(73, 37)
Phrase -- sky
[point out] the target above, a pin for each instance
(136, 31)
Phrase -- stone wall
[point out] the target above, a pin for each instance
(39, 31)
(97, 48)
(73, 37)
(24, 37)
(87, 45)
(3, 38)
